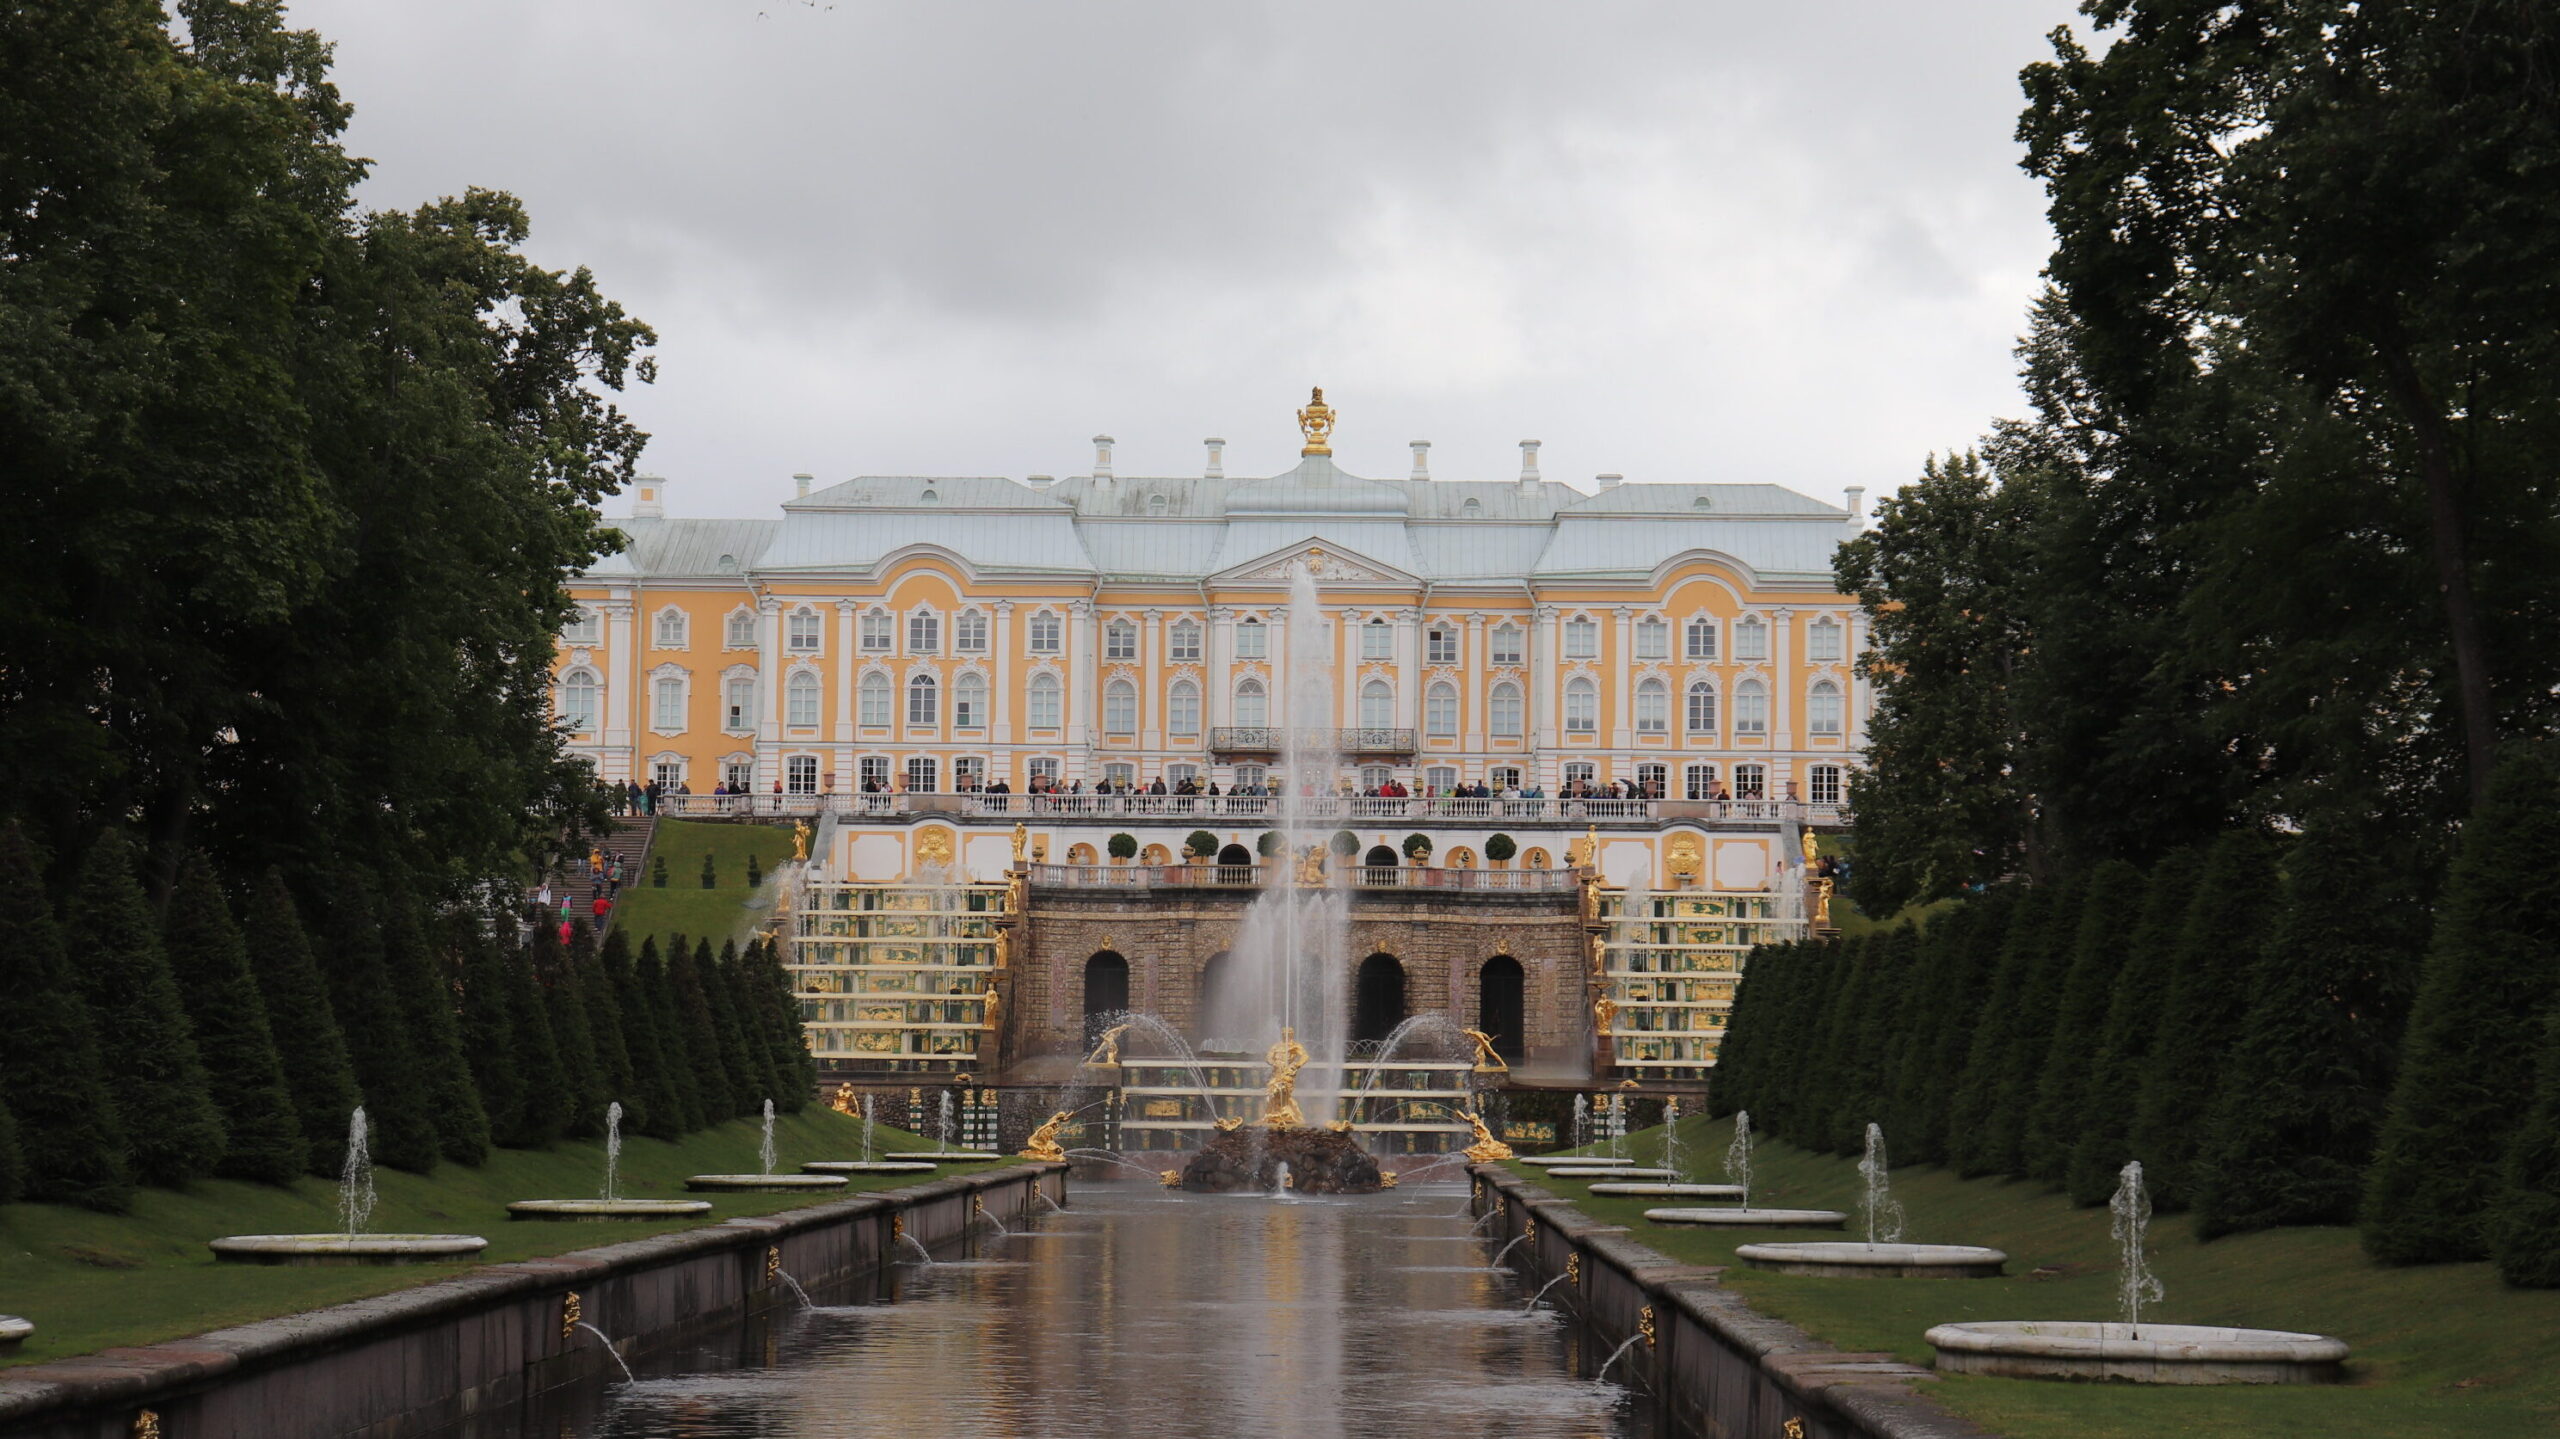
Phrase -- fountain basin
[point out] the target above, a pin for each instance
(1611, 1171)
(761, 1183)
(607, 1208)
(1876, 1261)
(1752, 1218)
(1321, 1161)
(1592, 1161)
(346, 1248)
(952, 1156)
(2138, 1353)
(13, 1332)
(866, 1166)
(1670, 1191)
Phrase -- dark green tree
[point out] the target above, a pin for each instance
(314, 1050)
(669, 1105)
(565, 1002)
(399, 1101)
(2110, 909)
(2291, 1131)
(148, 1044)
(489, 1035)
(71, 1142)
(2524, 1225)
(755, 871)
(13, 1164)
(750, 1080)
(794, 1067)
(1951, 953)
(548, 1100)
(2123, 1057)
(597, 967)
(689, 1014)
(263, 1139)
(2491, 974)
(424, 967)
(1979, 1139)
(710, 871)
(2202, 1010)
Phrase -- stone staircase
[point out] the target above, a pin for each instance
(627, 839)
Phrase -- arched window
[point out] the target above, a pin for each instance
(1581, 706)
(1653, 707)
(666, 704)
(671, 630)
(1822, 708)
(585, 627)
(1379, 1007)
(800, 700)
(1751, 639)
(1045, 696)
(929, 497)
(1120, 708)
(924, 701)
(969, 702)
(1700, 641)
(1506, 710)
(875, 699)
(578, 700)
(1106, 994)
(1253, 708)
(1377, 705)
(1379, 857)
(1502, 1010)
(1155, 504)
(1471, 509)
(738, 703)
(1750, 708)
(1702, 709)
(1182, 710)
(1440, 712)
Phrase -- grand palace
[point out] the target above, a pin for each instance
(1578, 739)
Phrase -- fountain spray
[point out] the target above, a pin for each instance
(1883, 1211)
(355, 1180)
(2131, 1211)
(1737, 1155)
(764, 1151)
(866, 1126)
(1671, 1136)
(612, 1147)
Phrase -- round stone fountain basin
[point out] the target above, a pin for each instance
(1752, 1218)
(1876, 1261)
(953, 1156)
(867, 1166)
(761, 1183)
(607, 1208)
(1670, 1191)
(13, 1332)
(1611, 1171)
(2138, 1353)
(346, 1248)
(1591, 1161)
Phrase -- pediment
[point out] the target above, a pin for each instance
(1329, 563)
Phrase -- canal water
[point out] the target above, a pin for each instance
(1142, 1313)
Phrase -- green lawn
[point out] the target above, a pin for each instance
(2442, 1350)
(684, 906)
(90, 1281)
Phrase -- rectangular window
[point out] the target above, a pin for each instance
(739, 774)
(1375, 776)
(1186, 642)
(969, 633)
(1751, 640)
(1506, 645)
(1120, 773)
(1506, 712)
(1175, 774)
(1120, 641)
(1751, 709)
(924, 634)
(585, 627)
(801, 698)
(1653, 708)
(800, 774)
(742, 630)
(1651, 779)
(1440, 712)
(668, 772)
(1751, 781)
(876, 632)
(737, 710)
(666, 710)
(1581, 707)
(1581, 640)
(1249, 775)
(1653, 640)
(1579, 772)
(1183, 712)
(1377, 641)
(801, 634)
(1822, 642)
(1443, 646)
(1253, 641)
(1048, 633)
(922, 776)
(875, 700)
(875, 773)
(671, 630)
(924, 703)
(1699, 781)
(1822, 784)
(969, 706)
(969, 775)
(1044, 771)
(1701, 638)
(1044, 702)
(1120, 710)
(1440, 778)
(1503, 776)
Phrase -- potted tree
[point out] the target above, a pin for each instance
(1417, 849)
(1200, 847)
(1499, 849)
(1123, 847)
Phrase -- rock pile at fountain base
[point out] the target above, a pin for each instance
(1321, 1161)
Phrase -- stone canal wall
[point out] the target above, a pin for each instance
(1724, 1369)
(421, 1359)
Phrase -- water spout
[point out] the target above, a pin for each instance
(1671, 1137)
(627, 1376)
(355, 1179)
(796, 1291)
(2131, 1209)
(764, 1150)
(1883, 1211)
(866, 1125)
(612, 1149)
(1632, 1341)
(1516, 1241)
(1542, 1293)
(924, 1256)
(1737, 1156)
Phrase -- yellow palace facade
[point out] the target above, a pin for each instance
(932, 635)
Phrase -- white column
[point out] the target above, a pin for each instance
(1218, 660)
(1782, 687)
(1855, 639)
(1622, 706)
(1350, 645)
(1151, 693)
(1409, 670)
(1080, 691)
(1543, 676)
(1000, 690)
(846, 781)
(769, 694)
(1477, 689)
(625, 691)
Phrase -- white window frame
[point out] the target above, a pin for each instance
(872, 769)
(879, 701)
(739, 631)
(1582, 638)
(1698, 780)
(1751, 640)
(924, 696)
(879, 632)
(1581, 706)
(924, 632)
(1653, 707)
(1822, 641)
(667, 770)
(1506, 711)
(924, 774)
(1653, 639)
(670, 629)
(803, 700)
(1750, 708)
(969, 632)
(1182, 710)
(1184, 645)
(581, 700)
(969, 701)
(1826, 784)
(1751, 781)
(1048, 701)
(800, 774)
(1440, 645)
(661, 687)
(1823, 709)
(1702, 690)
(1505, 648)
(1253, 704)
(1120, 709)
(1253, 639)
(585, 627)
(804, 631)
(738, 704)
(1120, 640)
(1377, 640)
(1699, 638)
(1377, 705)
(1440, 711)
(1048, 633)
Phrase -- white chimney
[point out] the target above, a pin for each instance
(1039, 482)
(649, 498)
(1529, 462)
(1421, 459)
(1102, 457)
(1857, 507)
(1217, 460)
(1610, 482)
(801, 483)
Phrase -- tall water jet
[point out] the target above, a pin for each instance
(764, 1148)
(765, 1180)
(609, 1203)
(613, 1148)
(351, 1244)
(356, 1194)
(1883, 1212)
(2130, 1220)
(1737, 1156)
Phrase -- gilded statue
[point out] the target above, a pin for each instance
(995, 1001)
(1311, 867)
(1488, 1061)
(1486, 1149)
(1280, 1092)
(1106, 1055)
(1812, 846)
(1822, 900)
(800, 840)
(1599, 954)
(1316, 423)
(1021, 838)
(1004, 948)
(1043, 1143)
(1604, 1011)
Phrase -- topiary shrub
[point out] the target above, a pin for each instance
(1344, 843)
(755, 870)
(1122, 845)
(1201, 843)
(710, 872)
(1500, 848)
(1417, 847)
(658, 871)
(1269, 845)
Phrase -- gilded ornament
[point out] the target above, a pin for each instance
(569, 1314)
(1172, 1178)
(1686, 858)
(933, 845)
(1316, 423)
(1812, 846)
(772, 1262)
(1573, 1269)
(146, 1425)
(1021, 836)
(1487, 1060)
(1387, 1180)
(1644, 1326)
(1280, 1091)
(1106, 1055)
(1043, 1143)
(1486, 1149)
(800, 841)
(1604, 1011)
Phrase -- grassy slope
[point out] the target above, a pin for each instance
(90, 1281)
(2441, 1350)
(684, 906)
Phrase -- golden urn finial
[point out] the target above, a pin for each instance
(1316, 423)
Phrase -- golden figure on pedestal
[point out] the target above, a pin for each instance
(1106, 1054)
(1280, 1092)
(1043, 1143)
(1488, 1061)
(1486, 1149)
(800, 840)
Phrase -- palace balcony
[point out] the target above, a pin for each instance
(1250, 876)
(1360, 743)
(1267, 809)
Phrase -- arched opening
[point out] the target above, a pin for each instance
(1106, 993)
(1215, 1009)
(1234, 856)
(1379, 857)
(1502, 1009)
(1378, 1002)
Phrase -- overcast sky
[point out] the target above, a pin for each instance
(1727, 240)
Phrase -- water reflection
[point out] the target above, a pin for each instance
(1136, 1312)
